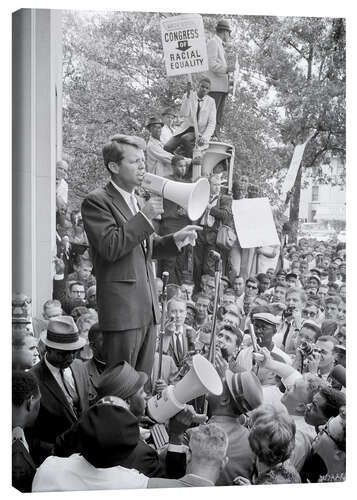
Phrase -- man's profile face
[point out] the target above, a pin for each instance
(130, 173)
(168, 119)
(326, 352)
(226, 340)
(77, 292)
(203, 89)
(314, 411)
(238, 286)
(296, 395)
(137, 403)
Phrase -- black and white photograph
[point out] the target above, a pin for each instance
(178, 289)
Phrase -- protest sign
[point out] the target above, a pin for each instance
(184, 44)
(289, 180)
(254, 223)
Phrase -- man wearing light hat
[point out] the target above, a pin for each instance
(158, 161)
(63, 382)
(219, 69)
(265, 325)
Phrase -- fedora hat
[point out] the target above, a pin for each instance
(120, 380)
(62, 334)
(245, 389)
(154, 120)
(223, 25)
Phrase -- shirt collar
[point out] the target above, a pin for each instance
(127, 196)
(53, 369)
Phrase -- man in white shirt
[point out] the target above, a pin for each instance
(158, 161)
(196, 107)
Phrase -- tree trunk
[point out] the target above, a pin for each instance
(295, 208)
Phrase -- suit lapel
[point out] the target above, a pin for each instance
(118, 201)
(50, 382)
(79, 386)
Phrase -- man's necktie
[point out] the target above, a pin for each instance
(285, 338)
(134, 204)
(71, 391)
(198, 107)
(179, 349)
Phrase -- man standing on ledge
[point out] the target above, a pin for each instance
(119, 230)
(218, 70)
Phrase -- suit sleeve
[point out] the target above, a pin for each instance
(110, 240)
(214, 63)
(164, 247)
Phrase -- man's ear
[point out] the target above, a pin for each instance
(113, 167)
(188, 456)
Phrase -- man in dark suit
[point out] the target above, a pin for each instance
(179, 338)
(25, 406)
(119, 231)
(64, 385)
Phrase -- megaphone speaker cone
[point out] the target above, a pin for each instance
(199, 199)
(201, 378)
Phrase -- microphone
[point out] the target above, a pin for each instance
(215, 255)
(165, 278)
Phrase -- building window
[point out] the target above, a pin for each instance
(315, 193)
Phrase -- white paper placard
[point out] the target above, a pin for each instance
(254, 223)
(298, 153)
(184, 44)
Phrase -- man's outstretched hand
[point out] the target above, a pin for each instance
(186, 236)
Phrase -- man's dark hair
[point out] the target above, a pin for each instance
(311, 325)
(75, 283)
(235, 331)
(251, 280)
(24, 385)
(333, 300)
(176, 159)
(262, 276)
(328, 338)
(334, 400)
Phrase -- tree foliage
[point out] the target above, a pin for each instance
(291, 84)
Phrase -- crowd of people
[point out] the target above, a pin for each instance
(116, 334)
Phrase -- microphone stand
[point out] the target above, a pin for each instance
(212, 346)
(163, 299)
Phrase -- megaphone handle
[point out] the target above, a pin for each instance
(193, 113)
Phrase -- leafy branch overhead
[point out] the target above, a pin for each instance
(291, 83)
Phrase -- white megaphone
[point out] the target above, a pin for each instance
(193, 197)
(216, 152)
(201, 378)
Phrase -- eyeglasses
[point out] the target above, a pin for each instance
(308, 314)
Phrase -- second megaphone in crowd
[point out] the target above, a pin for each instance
(201, 379)
(193, 197)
